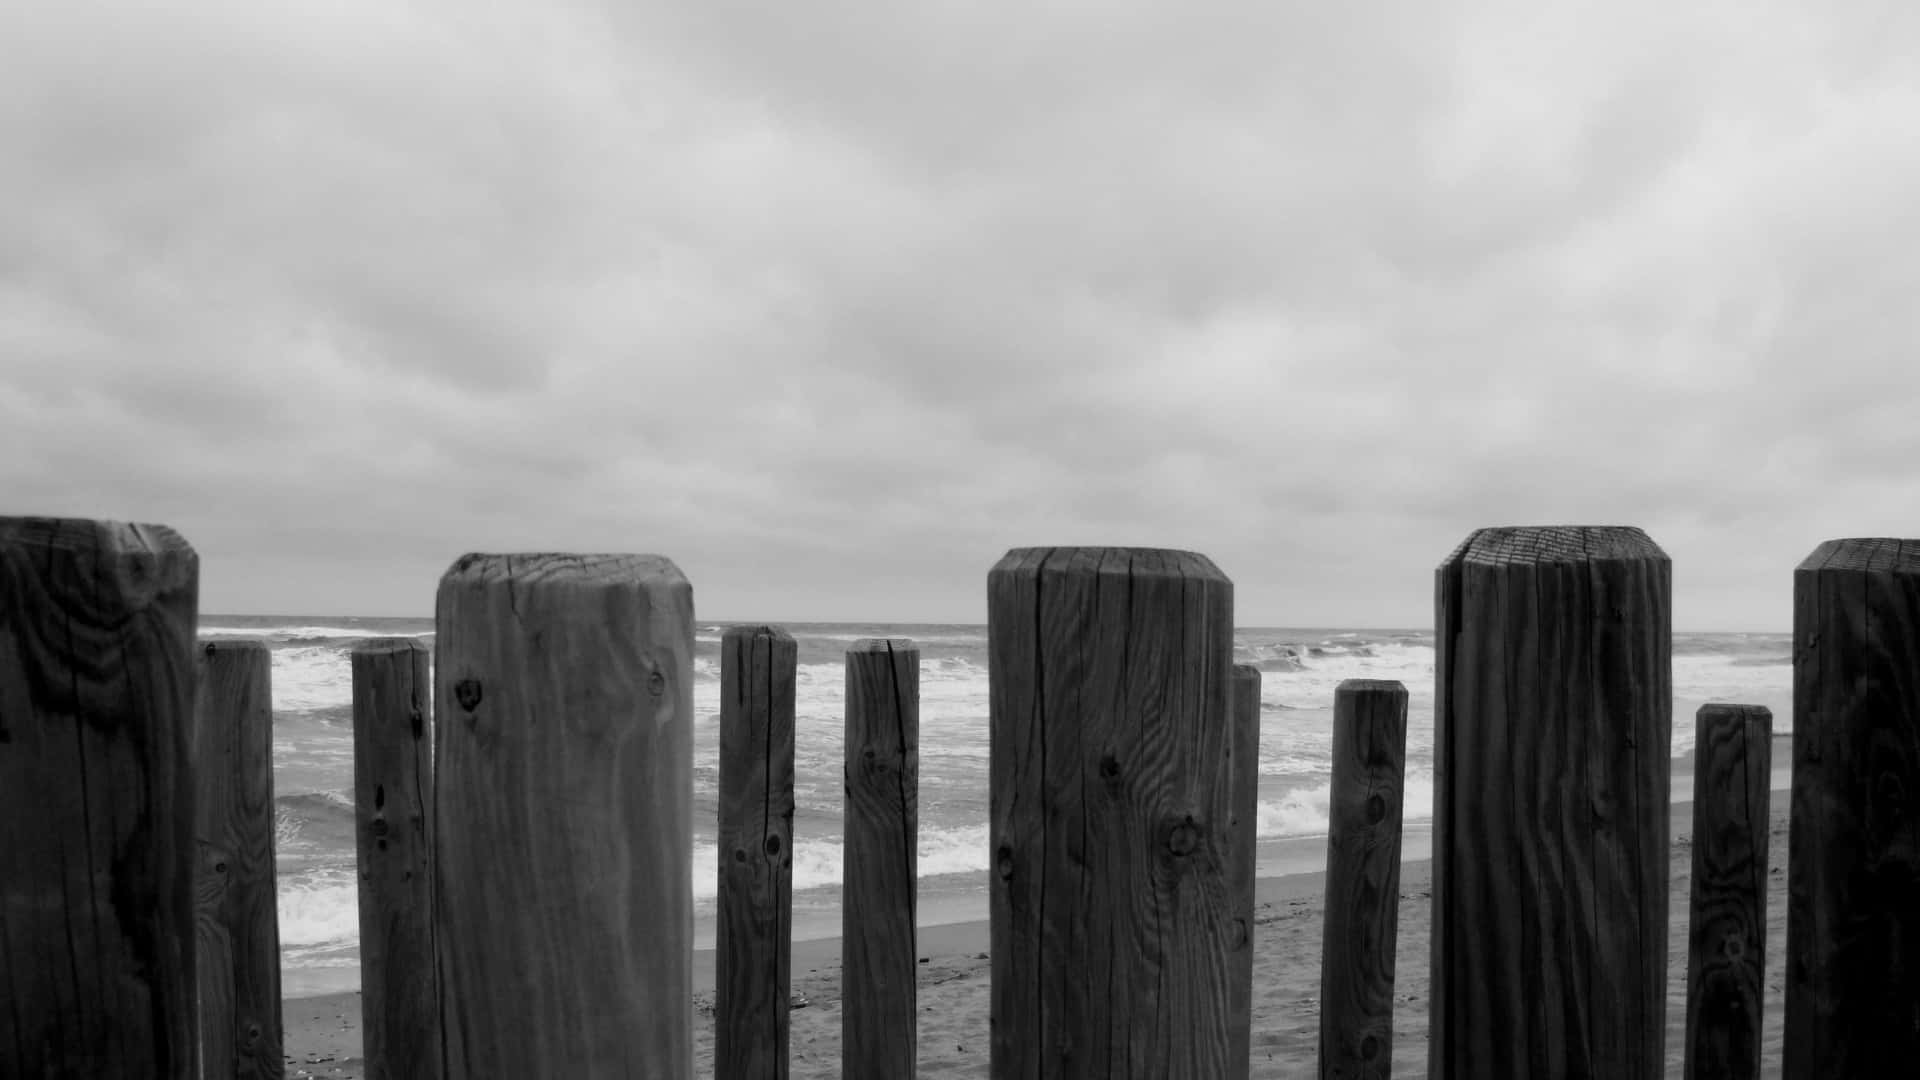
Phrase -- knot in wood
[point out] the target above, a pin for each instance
(1376, 810)
(1733, 946)
(1004, 863)
(467, 693)
(1370, 1048)
(1183, 838)
(1109, 767)
(773, 846)
(656, 684)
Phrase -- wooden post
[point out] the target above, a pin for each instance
(1726, 958)
(96, 793)
(1553, 722)
(238, 922)
(1243, 834)
(563, 824)
(878, 1017)
(392, 793)
(1853, 876)
(1113, 929)
(1363, 879)
(753, 920)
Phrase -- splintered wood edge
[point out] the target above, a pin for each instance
(1371, 686)
(1522, 544)
(559, 569)
(386, 646)
(1136, 562)
(884, 645)
(749, 633)
(1871, 555)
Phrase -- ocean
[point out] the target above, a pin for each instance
(313, 757)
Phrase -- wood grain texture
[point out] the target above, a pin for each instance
(1112, 916)
(563, 790)
(392, 797)
(1362, 924)
(1243, 833)
(754, 911)
(878, 1017)
(1553, 718)
(1727, 920)
(96, 870)
(237, 921)
(1853, 878)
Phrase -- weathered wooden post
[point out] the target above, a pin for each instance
(392, 797)
(754, 910)
(1363, 879)
(1243, 834)
(1113, 924)
(237, 922)
(1853, 874)
(878, 1017)
(96, 790)
(1727, 921)
(563, 794)
(1552, 727)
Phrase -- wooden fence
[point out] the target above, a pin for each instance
(525, 842)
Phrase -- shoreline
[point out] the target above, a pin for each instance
(322, 1031)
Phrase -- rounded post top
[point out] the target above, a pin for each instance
(1871, 555)
(92, 535)
(1121, 561)
(563, 570)
(1522, 544)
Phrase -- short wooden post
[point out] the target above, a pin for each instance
(1853, 875)
(96, 792)
(238, 921)
(1727, 938)
(1553, 721)
(1243, 835)
(754, 911)
(1362, 922)
(1113, 923)
(878, 1017)
(392, 796)
(563, 824)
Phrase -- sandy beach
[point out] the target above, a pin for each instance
(323, 1033)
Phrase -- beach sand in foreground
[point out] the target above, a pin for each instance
(323, 1033)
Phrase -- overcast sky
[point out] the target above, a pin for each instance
(835, 302)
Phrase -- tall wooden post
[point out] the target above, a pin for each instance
(96, 792)
(878, 1017)
(1552, 728)
(1113, 919)
(1243, 835)
(1727, 937)
(1363, 880)
(563, 793)
(753, 922)
(238, 921)
(392, 796)
(1853, 875)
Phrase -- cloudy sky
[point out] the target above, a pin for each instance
(835, 302)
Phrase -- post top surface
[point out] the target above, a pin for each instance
(379, 645)
(883, 645)
(1129, 561)
(1509, 545)
(735, 633)
(562, 569)
(1371, 686)
(94, 535)
(1866, 555)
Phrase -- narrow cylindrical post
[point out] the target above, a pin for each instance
(877, 1013)
(563, 823)
(1113, 927)
(96, 792)
(392, 793)
(1727, 938)
(1243, 834)
(238, 922)
(1552, 726)
(1853, 874)
(754, 910)
(1363, 879)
